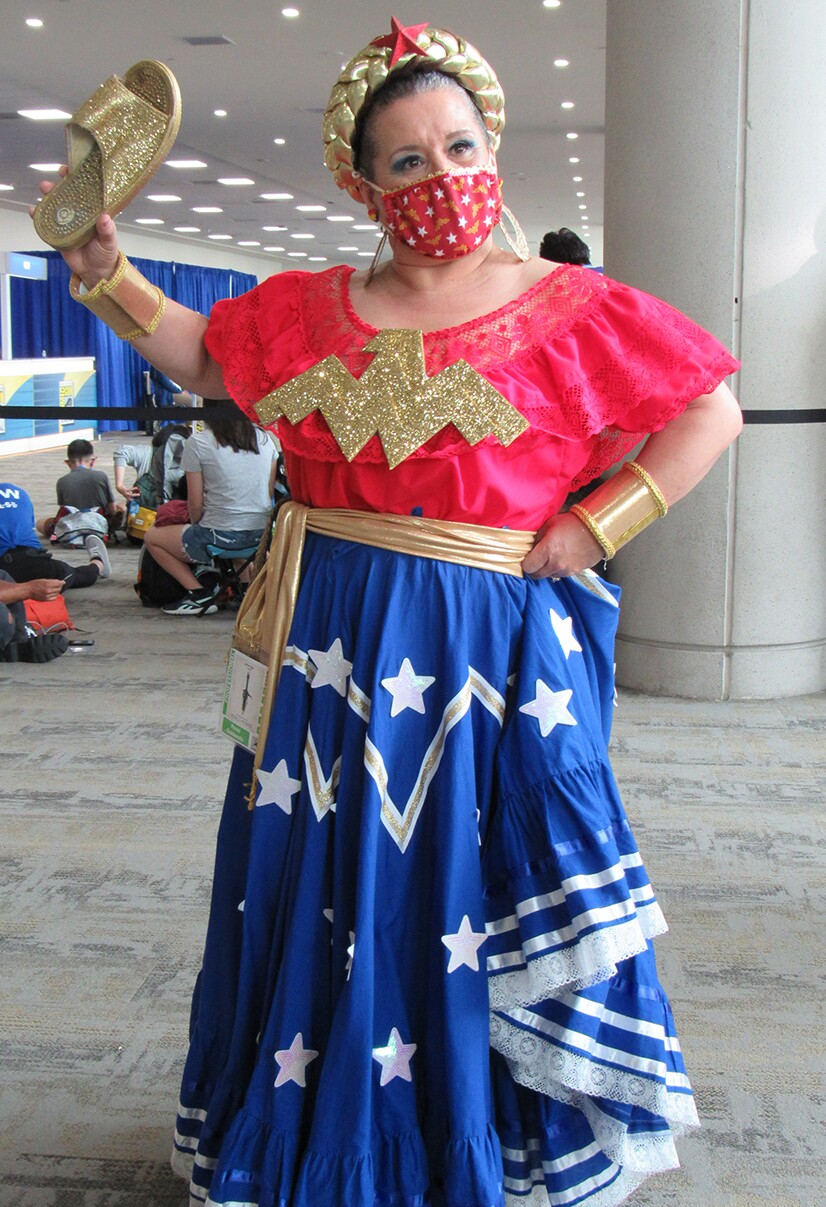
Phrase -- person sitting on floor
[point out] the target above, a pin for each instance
(18, 643)
(84, 488)
(230, 475)
(24, 558)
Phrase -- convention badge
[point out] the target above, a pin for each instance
(243, 699)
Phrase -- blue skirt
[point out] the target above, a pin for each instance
(428, 975)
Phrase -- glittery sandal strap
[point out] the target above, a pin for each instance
(126, 302)
(115, 143)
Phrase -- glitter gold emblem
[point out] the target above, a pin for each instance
(395, 399)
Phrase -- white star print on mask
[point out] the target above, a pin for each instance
(293, 1061)
(277, 787)
(331, 668)
(464, 946)
(394, 1058)
(550, 708)
(407, 689)
(564, 629)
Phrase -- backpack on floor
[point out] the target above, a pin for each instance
(44, 616)
(155, 588)
(73, 526)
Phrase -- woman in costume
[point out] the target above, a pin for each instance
(428, 974)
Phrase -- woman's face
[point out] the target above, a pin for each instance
(421, 135)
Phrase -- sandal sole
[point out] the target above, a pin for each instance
(65, 218)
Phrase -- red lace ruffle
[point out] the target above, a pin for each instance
(582, 357)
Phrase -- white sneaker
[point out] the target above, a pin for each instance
(192, 604)
(98, 552)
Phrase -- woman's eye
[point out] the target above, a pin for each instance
(407, 163)
(463, 146)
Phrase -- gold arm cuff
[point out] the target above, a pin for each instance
(593, 527)
(126, 302)
(645, 477)
(622, 507)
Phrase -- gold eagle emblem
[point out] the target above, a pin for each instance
(395, 399)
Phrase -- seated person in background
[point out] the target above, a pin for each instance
(166, 469)
(17, 642)
(139, 458)
(24, 558)
(84, 487)
(157, 466)
(230, 475)
(565, 247)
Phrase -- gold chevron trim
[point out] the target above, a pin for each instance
(395, 399)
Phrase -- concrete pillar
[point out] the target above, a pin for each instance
(715, 199)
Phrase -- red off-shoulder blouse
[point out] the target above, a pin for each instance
(592, 364)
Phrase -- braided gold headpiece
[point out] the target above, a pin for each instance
(369, 70)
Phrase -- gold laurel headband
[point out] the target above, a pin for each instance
(369, 70)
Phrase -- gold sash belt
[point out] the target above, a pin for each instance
(266, 613)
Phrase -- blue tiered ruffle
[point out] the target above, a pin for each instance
(428, 975)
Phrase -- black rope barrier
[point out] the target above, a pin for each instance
(227, 409)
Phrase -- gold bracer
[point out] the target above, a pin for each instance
(126, 302)
(621, 507)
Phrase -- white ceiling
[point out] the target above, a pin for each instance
(274, 77)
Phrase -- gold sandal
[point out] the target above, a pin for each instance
(115, 144)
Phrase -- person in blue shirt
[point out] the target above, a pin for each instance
(24, 558)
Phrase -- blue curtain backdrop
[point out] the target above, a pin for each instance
(46, 321)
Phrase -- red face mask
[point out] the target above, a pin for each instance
(448, 215)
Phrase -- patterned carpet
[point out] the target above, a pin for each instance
(110, 788)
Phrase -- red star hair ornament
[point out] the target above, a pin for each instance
(402, 40)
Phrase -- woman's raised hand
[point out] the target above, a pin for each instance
(96, 260)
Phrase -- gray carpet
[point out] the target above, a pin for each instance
(110, 788)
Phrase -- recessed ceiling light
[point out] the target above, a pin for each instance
(567, 105)
(580, 194)
(551, 3)
(561, 62)
(298, 255)
(150, 221)
(361, 227)
(234, 180)
(576, 179)
(279, 142)
(348, 249)
(317, 259)
(219, 236)
(276, 196)
(188, 230)
(273, 249)
(6, 188)
(273, 228)
(367, 253)
(248, 243)
(302, 235)
(163, 197)
(583, 207)
(45, 115)
(312, 209)
(34, 23)
(185, 163)
(572, 134)
(207, 209)
(340, 218)
(45, 167)
(219, 112)
(290, 12)
(573, 159)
